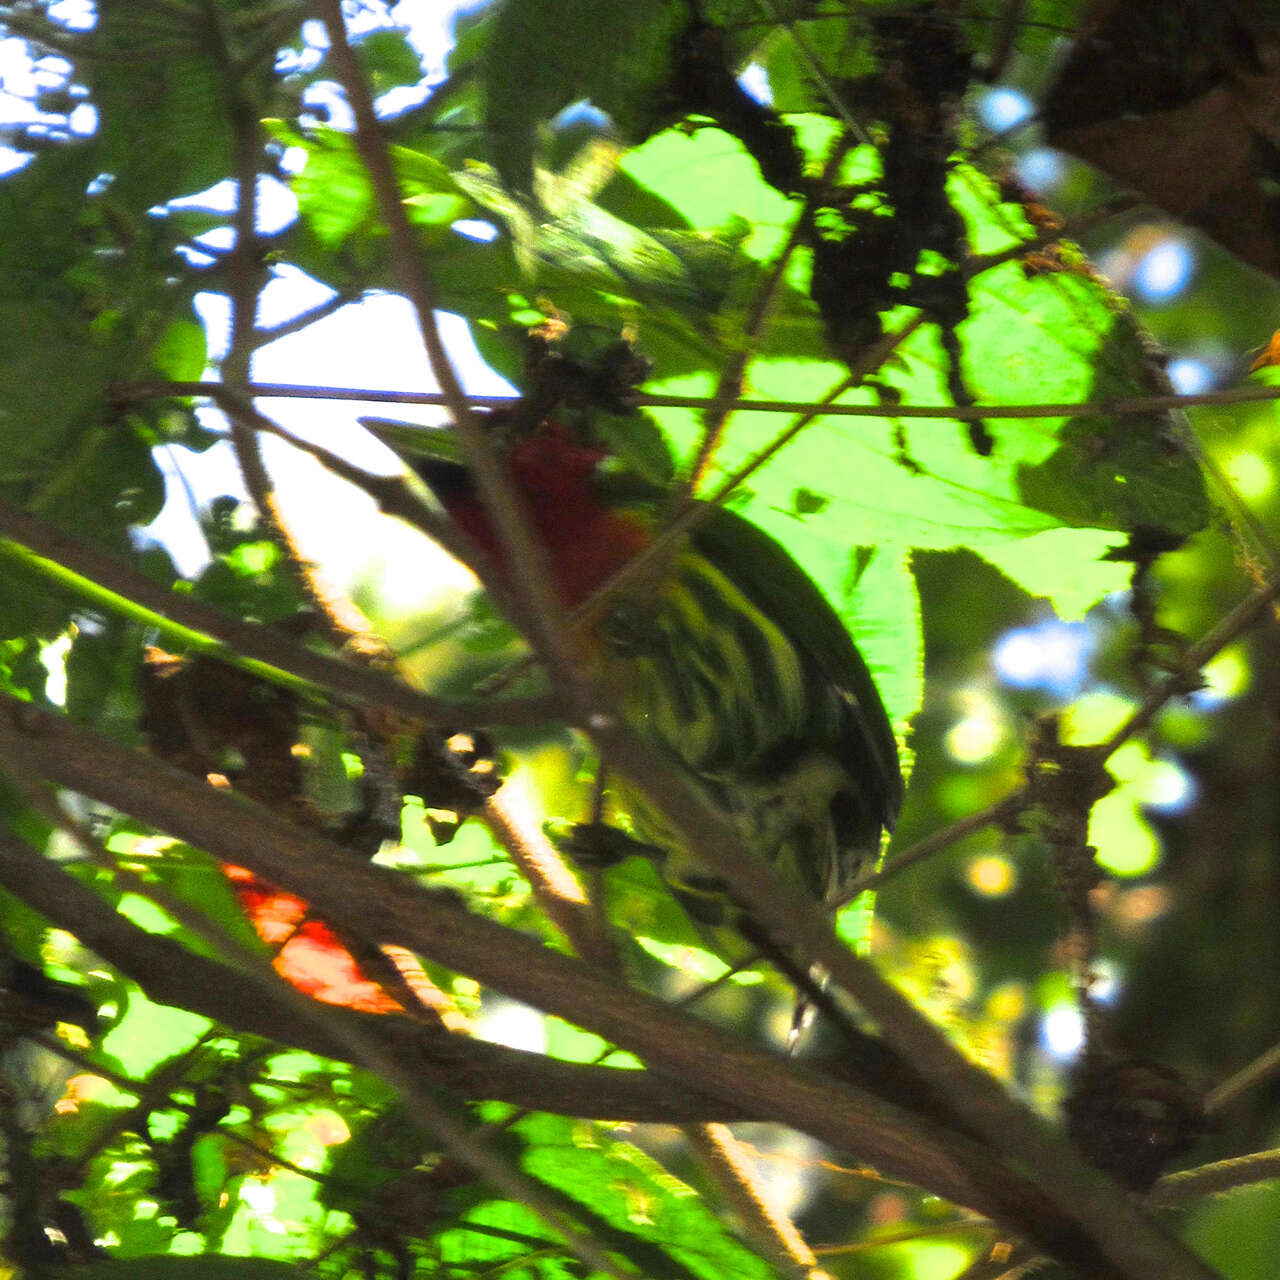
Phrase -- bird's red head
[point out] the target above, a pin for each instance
(587, 540)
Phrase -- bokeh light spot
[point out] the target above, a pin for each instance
(991, 876)
(1190, 377)
(1167, 787)
(1052, 655)
(974, 739)
(755, 81)
(1062, 1032)
(476, 229)
(1095, 716)
(1125, 842)
(1164, 270)
(1141, 905)
(1041, 168)
(1007, 1002)
(1226, 677)
(1004, 108)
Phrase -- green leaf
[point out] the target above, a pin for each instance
(1240, 1233)
(913, 483)
(671, 1231)
(617, 56)
(1126, 472)
(597, 269)
(159, 80)
(389, 60)
(830, 41)
(182, 352)
(52, 380)
(335, 197)
(42, 209)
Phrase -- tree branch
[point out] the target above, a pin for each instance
(532, 579)
(1216, 1178)
(109, 583)
(994, 815)
(398, 911)
(304, 319)
(392, 494)
(729, 387)
(172, 975)
(1135, 1244)
(1251, 610)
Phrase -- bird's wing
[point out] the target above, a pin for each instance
(764, 572)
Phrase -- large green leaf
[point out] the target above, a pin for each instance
(1057, 337)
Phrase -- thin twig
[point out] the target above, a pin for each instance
(1262, 1068)
(994, 815)
(906, 1236)
(556, 888)
(532, 578)
(85, 1064)
(865, 363)
(725, 1161)
(248, 274)
(1177, 683)
(304, 320)
(554, 885)
(1213, 1179)
(814, 67)
(1121, 406)
(1246, 525)
(1005, 1261)
(976, 263)
(1250, 610)
(79, 46)
(729, 388)
(391, 494)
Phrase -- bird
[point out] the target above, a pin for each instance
(733, 665)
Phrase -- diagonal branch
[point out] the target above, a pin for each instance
(533, 586)
(108, 583)
(729, 388)
(436, 926)
(1135, 1244)
(170, 974)
(1213, 1179)
(1179, 682)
